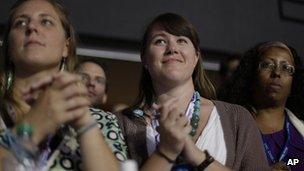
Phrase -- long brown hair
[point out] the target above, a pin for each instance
(7, 74)
(179, 26)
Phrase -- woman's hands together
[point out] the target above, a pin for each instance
(56, 99)
(174, 128)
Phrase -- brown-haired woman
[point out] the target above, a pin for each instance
(175, 123)
(39, 37)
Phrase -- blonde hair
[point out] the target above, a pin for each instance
(8, 97)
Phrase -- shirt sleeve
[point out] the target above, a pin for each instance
(108, 123)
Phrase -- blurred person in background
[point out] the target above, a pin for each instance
(227, 67)
(94, 76)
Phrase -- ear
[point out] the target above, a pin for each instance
(66, 48)
(104, 98)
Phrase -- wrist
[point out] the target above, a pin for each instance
(35, 137)
(206, 162)
(84, 120)
(169, 156)
(86, 128)
(23, 133)
(199, 156)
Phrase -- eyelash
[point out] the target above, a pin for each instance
(45, 21)
(20, 23)
(182, 40)
(159, 41)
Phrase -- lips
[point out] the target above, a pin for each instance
(275, 86)
(171, 59)
(33, 42)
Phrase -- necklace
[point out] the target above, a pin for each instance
(196, 112)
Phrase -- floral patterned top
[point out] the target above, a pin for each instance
(67, 155)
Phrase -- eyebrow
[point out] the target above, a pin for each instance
(20, 16)
(46, 15)
(280, 62)
(27, 16)
(158, 34)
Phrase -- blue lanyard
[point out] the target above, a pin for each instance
(285, 149)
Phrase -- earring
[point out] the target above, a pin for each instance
(9, 80)
(63, 64)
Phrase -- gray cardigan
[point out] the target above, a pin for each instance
(243, 140)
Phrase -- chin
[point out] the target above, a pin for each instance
(275, 97)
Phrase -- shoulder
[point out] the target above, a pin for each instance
(229, 107)
(100, 114)
(235, 110)
(130, 116)
(105, 120)
(236, 114)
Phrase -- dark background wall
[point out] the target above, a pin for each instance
(226, 26)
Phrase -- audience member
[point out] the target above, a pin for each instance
(94, 75)
(175, 123)
(39, 36)
(269, 83)
(228, 67)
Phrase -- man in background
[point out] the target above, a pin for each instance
(94, 76)
(228, 67)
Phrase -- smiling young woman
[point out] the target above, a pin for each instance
(176, 123)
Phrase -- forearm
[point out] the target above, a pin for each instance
(95, 153)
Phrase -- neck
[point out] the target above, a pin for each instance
(183, 92)
(270, 119)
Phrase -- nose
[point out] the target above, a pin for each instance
(171, 48)
(276, 72)
(31, 28)
(91, 82)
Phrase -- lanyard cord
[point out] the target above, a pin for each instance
(285, 148)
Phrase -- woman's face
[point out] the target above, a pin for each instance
(36, 39)
(169, 57)
(274, 78)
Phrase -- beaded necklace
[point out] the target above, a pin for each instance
(196, 112)
(193, 108)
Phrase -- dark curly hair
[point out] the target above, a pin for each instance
(240, 88)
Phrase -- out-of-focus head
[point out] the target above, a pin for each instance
(94, 75)
(170, 53)
(38, 35)
(228, 67)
